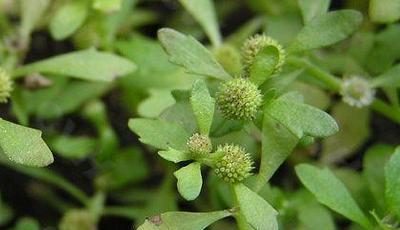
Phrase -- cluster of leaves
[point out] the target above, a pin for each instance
(318, 74)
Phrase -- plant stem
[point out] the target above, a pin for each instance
(333, 83)
(240, 219)
(328, 79)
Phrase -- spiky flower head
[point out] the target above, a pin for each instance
(229, 57)
(5, 86)
(356, 91)
(234, 165)
(253, 45)
(199, 145)
(239, 99)
(77, 219)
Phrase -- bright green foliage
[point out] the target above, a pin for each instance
(190, 54)
(73, 147)
(168, 220)
(312, 8)
(31, 13)
(68, 19)
(327, 29)
(189, 181)
(107, 5)
(88, 64)
(392, 182)
(331, 192)
(388, 79)
(77, 220)
(203, 106)
(27, 223)
(24, 145)
(203, 11)
(160, 134)
(6, 86)
(239, 99)
(257, 212)
(174, 155)
(384, 11)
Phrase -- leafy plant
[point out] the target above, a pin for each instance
(165, 122)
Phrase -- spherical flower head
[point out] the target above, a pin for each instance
(356, 91)
(239, 99)
(5, 86)
(229, 57)
(199, 145)
(253, 45)
(234, 165)
(77, 220)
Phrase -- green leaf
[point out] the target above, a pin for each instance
(174, 155)
(68, 19)
(156, 103)
(392, 182)
(204, 12)
(31, 13)
(302, 119)
(354, 131)
(278, 142)
(203, 106)
(73, 147)
(107, 5)
(327, 29)
(24, 145)
(187, 52)
(391, 78)
(312, 8)
(258, 213)
(27, 223)
(183, 220)
(331, 192)
(314, 216)
(264, 64)
(384, 11)
(160, 134)
(374, 162)
(189, 181)
(88, 64)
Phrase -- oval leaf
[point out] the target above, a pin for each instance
(392, 182)
(204, 12)
(187, 52)
(264, 64)
(258, 213)
(88, 64)
(311, 8)
(174, 155)
(331, 192)
(327, 29)
(203, 106)
(24, 145)
(189, 181)
(384, 11)
(68, 19)
(185, 220)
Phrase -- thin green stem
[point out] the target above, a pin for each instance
(240, 219)
(385, 109)
(328, 79)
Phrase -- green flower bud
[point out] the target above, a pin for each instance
(357, 91)
(234, 165)
(77, 220)
(199, 145)
(239, 99)
(255, 44)
(5, 86)
(229, 57)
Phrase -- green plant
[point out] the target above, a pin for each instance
(297, 85)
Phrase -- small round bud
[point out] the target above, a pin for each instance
(229, 57)
(239, 99)
(235, 164)
(77, 220)
(5, 86)
(199, 145)
(356, 91)
(255, 44)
